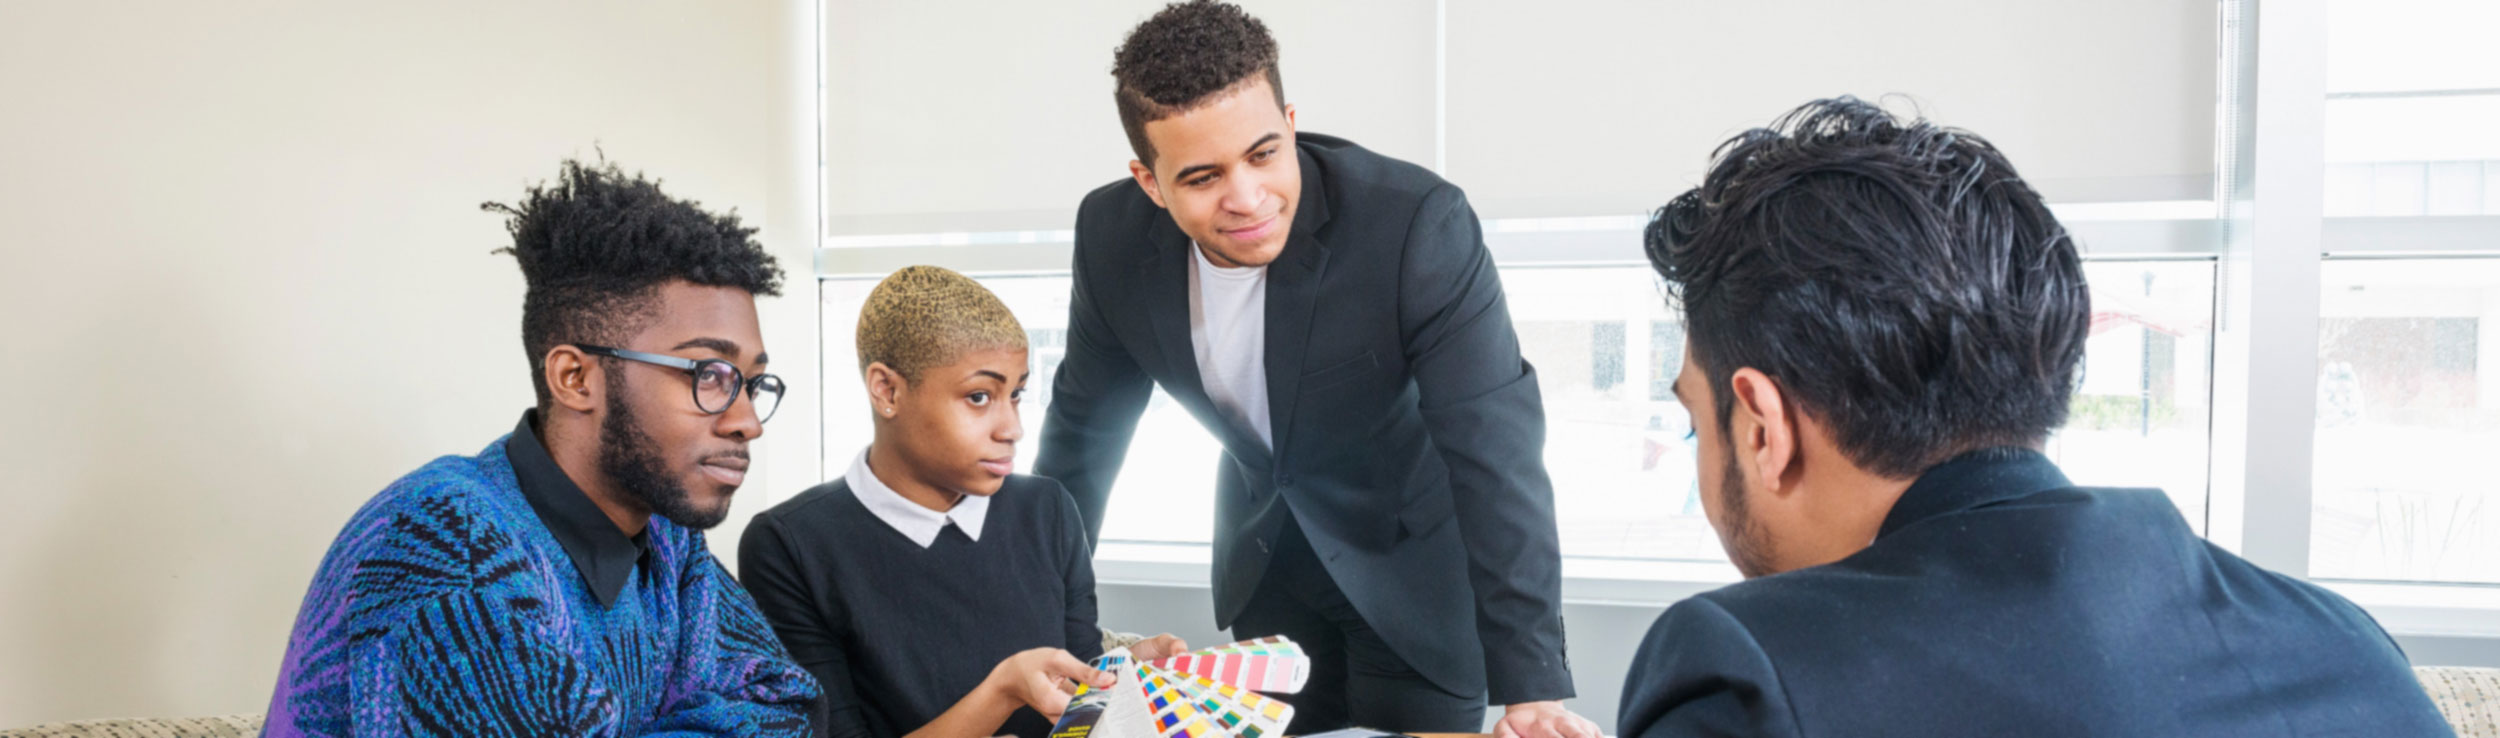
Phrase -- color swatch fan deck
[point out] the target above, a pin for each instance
(1211, 693)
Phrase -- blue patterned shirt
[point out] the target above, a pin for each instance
(448, 606)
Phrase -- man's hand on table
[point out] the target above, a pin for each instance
(1159, 647)
(1543, 720)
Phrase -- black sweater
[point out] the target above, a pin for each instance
(897, 633)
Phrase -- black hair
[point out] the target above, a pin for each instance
(1895, 278)
(1185, 56)
(596, 246)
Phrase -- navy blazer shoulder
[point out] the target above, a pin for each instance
(1999, 599)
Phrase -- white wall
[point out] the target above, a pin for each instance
(247, 284)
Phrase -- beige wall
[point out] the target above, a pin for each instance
(246, 283)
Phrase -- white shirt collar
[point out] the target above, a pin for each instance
(917, 523)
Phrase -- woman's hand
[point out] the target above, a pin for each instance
(1043, 679)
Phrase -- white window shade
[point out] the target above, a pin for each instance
(1581, 107)
(2411, 46)
(2433, 128)
(998, 116)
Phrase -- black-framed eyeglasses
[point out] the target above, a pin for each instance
(716, 382)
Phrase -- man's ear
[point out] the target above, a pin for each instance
(1289, 124)
(1766, 433)
(1145, 177)
(885, 390)
(572, 379)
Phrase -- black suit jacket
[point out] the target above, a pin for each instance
(1998, 599)
(1408, 431)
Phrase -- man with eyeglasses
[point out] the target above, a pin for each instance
(557, 583)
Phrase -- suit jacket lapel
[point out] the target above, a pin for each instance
(1163, 283)
(1293, 284)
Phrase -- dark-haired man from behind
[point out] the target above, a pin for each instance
(1883, 326)
(1333, 317)
(558, 582)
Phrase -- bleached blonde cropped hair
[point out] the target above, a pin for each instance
(925, 316)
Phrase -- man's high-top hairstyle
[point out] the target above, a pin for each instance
(1187, 55)
(596, 246)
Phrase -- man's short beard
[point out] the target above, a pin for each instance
(632, 461)
(1748, 546)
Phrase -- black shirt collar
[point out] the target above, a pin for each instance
(1971, 480)
(606, 557)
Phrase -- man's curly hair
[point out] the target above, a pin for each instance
(1186, 56)
(596, 246)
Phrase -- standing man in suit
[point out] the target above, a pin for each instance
(1883, 326)
(1333, 316)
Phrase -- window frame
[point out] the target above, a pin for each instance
(2124, 232)
(2267, 252)
(2275, 71)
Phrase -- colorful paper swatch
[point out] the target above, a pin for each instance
(1211, 693)
(1117, 711)
(1179, 711)
(1240, 711)
(1272, 664)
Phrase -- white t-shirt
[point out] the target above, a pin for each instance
(1228, 330)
